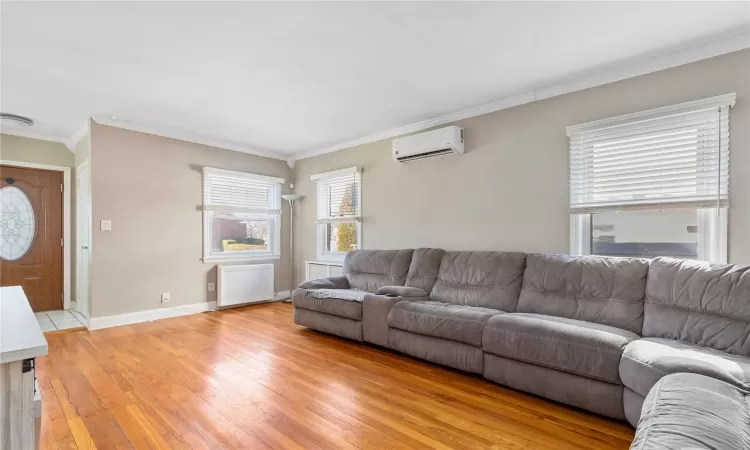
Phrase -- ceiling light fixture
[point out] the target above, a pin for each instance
(15, 120)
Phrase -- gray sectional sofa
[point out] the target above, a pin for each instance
(593, 332)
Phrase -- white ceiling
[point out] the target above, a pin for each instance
(287, 79)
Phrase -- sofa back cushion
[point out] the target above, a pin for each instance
(486, 279)
(369, 270)
(423, 271)
(705, 304)
(609, 291)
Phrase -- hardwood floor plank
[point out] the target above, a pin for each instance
(138, 429)
(105, 432)
(248, 378)
(81, 434)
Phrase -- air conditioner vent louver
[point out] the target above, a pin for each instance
(445, 151)
(440, 142)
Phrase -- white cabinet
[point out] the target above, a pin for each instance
(322, 269)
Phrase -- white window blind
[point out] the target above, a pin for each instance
(672, 157)
(226, 190)
(339, 196)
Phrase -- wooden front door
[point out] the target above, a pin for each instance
(31, 225)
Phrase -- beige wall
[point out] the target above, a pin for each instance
(14, 148)
(37, 151)
(510, 190)
(151, 189)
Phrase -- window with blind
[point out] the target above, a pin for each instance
(339, 212)
(241, 215)
(654, 183)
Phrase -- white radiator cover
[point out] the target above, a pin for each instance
(240, 284)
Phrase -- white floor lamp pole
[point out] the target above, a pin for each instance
(291, 198)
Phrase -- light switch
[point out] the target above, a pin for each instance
(106, 225)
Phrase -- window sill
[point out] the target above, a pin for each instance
(332, 258)
(240, 258)
(326, 263)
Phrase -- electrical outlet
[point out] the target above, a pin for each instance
(211, 287)
(165, 297)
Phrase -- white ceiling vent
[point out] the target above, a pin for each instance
(440, 142)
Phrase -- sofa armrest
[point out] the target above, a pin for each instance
(339, 282)
(401, 291)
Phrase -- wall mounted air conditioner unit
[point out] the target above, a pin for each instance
(440, 142)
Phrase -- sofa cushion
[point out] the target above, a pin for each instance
(485, 279)
(441, 351)
(423, 271)
(338, 302)
(694, 301)
(369, 270)
(443, 320)
(594, 395)
(647, 360)
(603, 290)
(327, 323)
(688, 411)
(581, 348)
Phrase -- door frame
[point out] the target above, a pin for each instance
(79, 226)
(66, 218)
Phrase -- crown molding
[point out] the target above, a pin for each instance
(290, 162)
(634, 68)
(184, 135)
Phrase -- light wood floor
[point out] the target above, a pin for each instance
(250, 378)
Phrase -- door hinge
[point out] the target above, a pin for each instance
(62, 242)
(62, 188)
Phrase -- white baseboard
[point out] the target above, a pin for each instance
(97, 323)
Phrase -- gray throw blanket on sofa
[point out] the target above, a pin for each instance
(354, 295)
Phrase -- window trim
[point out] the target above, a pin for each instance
(580, 234)
(716, 221)
(717, 101)
(326, 256)
(273, 215)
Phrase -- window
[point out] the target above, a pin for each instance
(339, 212)
(654, 183)
(241, 216)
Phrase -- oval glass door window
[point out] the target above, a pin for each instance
(17, 224)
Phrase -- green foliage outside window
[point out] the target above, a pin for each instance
(346, 233)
